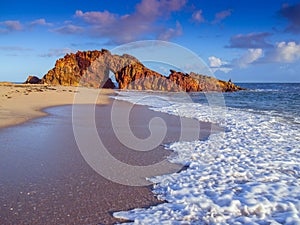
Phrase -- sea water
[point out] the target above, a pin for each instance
(248, 174)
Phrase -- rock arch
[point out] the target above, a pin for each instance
(91, 68)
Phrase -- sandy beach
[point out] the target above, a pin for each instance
(150, 112)
(44, 178)
(21, 102)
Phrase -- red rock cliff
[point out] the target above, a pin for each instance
(91, 68)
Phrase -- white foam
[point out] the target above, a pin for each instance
(264, 90)
(249, 174)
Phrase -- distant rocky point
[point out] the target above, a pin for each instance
(33, 80)
(92, 68)
(6, 83)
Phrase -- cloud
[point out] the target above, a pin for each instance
(246, 59)
(282, 52)
(56, 52)
(221, 16)
(130, 27)
(40, 22)
(198, 17)
(171, 32)
(151, 9)
(69, 29)
(98, 18)
(85, 44)
(15, 25)
(285, 52)
(10, 25)
(251, 56)
(292, 14)
(14, 48)
(216, 64)
(252, 40)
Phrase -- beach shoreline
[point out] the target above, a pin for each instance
(50, 167)
(22, 102)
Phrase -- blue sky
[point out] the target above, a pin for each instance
(247, 41)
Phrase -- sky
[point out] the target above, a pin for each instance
(247, 41)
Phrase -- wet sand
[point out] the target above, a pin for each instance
(45, 180)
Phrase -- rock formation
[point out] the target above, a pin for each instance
(92, 69)
(33, 80)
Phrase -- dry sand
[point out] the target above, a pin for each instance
(44, 178)
(21, 102)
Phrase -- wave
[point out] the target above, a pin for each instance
(248, 174)
(258, 89)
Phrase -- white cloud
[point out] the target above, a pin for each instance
(286, 52)
(214, 61)
(249, 57)
(282, 52)
(216, 64)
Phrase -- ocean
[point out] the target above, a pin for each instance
(248, 174)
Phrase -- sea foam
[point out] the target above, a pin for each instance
(248, 174)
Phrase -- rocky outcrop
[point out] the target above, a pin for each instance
(200, 83)
(93, 68)
(73, 68)
(137, 76)
(33, 80)
(90, 68)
